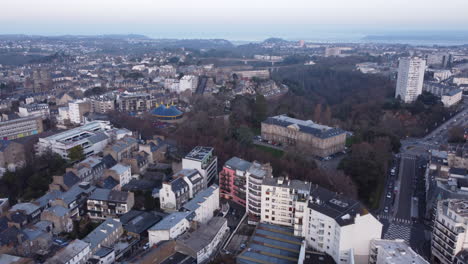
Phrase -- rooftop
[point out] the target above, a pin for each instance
(336, 206)
(172, 220)
(238, 164)
(68, 253)
(202, 196)
(203, 236)
(200, 153)
(271, 244)
(306, 126)
(397, 251)
(101, 232)
(79, 133)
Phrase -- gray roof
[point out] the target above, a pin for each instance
(58, 210)
(140, 221)
(28, 208)
(195, 203)
(308, 126)
(44, 200)
(172, 220)
(287, 183)
(271, 244)
(336, 206)
(101, 232)
(108, 195)
(75, 192)
(69, 252)
(203, 236)
(120, 168)
(238, 164)
(98, 137)
(199, 153)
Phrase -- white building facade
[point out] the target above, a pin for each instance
(410, 79)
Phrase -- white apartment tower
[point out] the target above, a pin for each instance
(450, 235)
(254, 179)
(410, 78)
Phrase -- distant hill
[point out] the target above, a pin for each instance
(110, 36)
(274, 40)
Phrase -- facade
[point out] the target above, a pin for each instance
(12, 155)
(279, 197)
(103, 203)
(188, 82)
(393, 251)
(183, 187)
(203, 160)
(204, 204)
(91, 137)
(318, 139)
(89, 170)
(77, 252)
(60, 217)
(452, 98)
(170, 227)
(122, 148)
(205, 241)
(255, 175)
(449, 234)
(102, 104)
(41, 110)
(77, 109)
(140, 102)
(21, 127)
(410, 79)
(233, 180)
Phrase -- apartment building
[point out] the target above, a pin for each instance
(410, 78)
(120, 172)
(91, 137)
(188, 82)
(317, 139)
(393, 251)
(41, 110)
(77, 109)
(204, 204)
(184, 185)
(203, 160)
(233, 180)
(449, 234)
(21, 127)
(89, 170)
(138, 102)
(102, 104)
(60, 217)
(278, 199)
(103, 203)
(122, 148)
(255, 175)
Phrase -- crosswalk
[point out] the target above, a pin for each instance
(398, 231)
(393, 219)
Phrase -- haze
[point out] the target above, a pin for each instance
(241, 19)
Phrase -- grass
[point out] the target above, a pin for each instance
(275, 152)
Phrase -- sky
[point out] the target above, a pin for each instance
(230, 19)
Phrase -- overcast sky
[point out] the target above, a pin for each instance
(203, 18)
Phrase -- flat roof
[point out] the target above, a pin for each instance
(397, 251)
(201, 197)
(199, 153)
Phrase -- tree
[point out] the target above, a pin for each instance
(260, 110)
(76, 153)
(456, 135)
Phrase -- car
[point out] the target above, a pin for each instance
(389, 195)
(386, 209)
(146, 246)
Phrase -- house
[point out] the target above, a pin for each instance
(122, 148)
(202, 243)
(64, 182)
(156, 148)
(77, 252)
(184, 185)
(89, 170)
(74, 199)
(105, 235)
(60, 217)
(105, 255)
(120, 172)
(103, 203)
(30, 210)
(138, 162)
(170, 227)
(24, 242)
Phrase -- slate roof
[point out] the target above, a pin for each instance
(203, 236)
(58, 210)
(108, 195)
(334, 205)
(109, 161)
(201, 197)
(139, 221)
(172, 220)
(308, 126)
(96, 236)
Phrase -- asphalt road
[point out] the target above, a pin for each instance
(407, 176)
